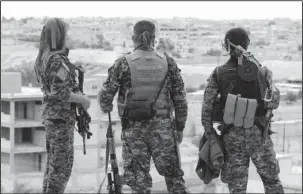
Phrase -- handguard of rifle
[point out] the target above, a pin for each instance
(268, 117)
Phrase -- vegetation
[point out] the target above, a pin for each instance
(190, 89)
(213, 52)
(291, 96)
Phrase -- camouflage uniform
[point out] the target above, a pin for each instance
(145, 139)
(241, 144)
(59, 121)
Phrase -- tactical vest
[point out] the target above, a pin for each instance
(148, 72)
(229, 80)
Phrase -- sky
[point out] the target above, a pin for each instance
(215, 10)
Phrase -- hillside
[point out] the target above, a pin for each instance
(97, 42)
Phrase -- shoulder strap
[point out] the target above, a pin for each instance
(165, 79)
(162, 86)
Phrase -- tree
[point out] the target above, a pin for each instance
(271, 22)
(191, 50)
(165, 44)
(100, 39)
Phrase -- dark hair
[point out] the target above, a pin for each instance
(144, 33)
(237, 36)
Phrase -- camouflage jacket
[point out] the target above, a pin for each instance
(58, 82)
(211, 92)
(119, 79)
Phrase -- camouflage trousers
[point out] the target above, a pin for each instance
(60, 154)
(239, 146)
(143, 141)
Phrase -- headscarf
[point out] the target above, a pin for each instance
(144, 33)
(52, 39)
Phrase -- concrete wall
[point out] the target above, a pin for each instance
(39, 137)
(9, 86)
(25, 162)
(43, 161)
(88, 161)
(5, 132)
(4, 158)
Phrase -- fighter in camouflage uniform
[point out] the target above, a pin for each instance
(242, 139)
(58, 79)
(138, 76)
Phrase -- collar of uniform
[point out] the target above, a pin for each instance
(145, 49)
(233, 60)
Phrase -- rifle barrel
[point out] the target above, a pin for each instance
(84, 147)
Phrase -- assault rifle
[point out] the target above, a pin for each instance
(83, 118)
(266, 129)
(114, 179)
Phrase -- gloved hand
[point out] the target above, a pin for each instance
(107, 109)
(179, 137)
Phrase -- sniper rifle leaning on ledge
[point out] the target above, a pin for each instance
(114, 179)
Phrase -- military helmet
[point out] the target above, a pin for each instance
(237, 36)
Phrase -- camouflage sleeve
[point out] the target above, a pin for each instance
(274, 103)
(110, 86)
(178, 94)
(59, 77)
(210, 94)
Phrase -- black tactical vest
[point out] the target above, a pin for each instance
(228, 78)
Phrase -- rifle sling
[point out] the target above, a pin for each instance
(162, 86)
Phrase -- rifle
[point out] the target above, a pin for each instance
(83, 118)
(266, 128)
(114, 179)
(175, 134)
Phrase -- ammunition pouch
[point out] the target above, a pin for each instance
(239, 111)
(250, 113)
(140, 110)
